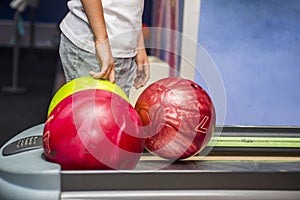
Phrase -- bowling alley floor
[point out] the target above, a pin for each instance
(36, 74)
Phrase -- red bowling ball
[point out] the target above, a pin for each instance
(93, 130)
(178, 118)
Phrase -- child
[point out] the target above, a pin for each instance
(103, 38)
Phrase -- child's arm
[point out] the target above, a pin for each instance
(95, 15)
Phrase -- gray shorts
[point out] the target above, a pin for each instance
(77, 63)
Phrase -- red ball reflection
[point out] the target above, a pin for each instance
(178, 118)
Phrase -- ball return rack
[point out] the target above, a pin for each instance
(241, 163)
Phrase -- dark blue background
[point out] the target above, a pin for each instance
(54, 11)
(48, 10)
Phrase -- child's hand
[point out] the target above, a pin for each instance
(106, 60)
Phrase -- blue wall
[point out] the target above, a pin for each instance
(256, 46)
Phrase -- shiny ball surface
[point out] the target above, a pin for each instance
(178, 117)
(84, 83)
(93, 130)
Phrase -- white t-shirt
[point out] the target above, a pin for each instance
(123, 22)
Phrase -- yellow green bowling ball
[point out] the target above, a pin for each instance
(84, 83)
